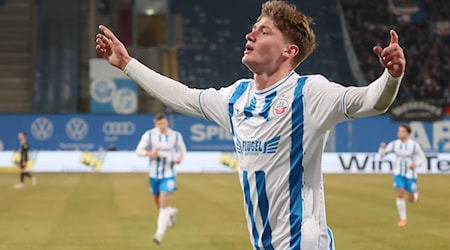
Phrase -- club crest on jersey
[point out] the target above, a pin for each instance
(280, 107)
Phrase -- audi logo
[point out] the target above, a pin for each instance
(118, 128)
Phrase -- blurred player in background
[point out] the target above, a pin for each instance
(166, 148)
(409, 155)
(279, 121)
(23, 161)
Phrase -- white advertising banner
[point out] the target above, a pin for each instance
(114, 162)
(60, 161)
(211, 162)
(6, 159)
(371, 163)
(192, 162)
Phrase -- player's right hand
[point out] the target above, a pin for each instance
(382, 145)
(392, 56)
(111, 48)
(153, 153)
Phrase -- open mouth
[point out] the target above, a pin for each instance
(248, 49)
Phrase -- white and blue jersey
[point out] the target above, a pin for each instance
(170, 145)
(406, 153)
(279, 135)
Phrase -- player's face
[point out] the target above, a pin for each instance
(20, 136)
(402, 134)
(264, 47)
(162, 125)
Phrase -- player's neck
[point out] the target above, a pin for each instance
(266, 80)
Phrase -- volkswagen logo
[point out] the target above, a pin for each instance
(41, 128)
(77, 129)
(118, 128)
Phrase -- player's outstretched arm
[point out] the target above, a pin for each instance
(172, 93)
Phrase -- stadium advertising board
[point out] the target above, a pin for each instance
(93, 132)
(110, 162)
(211, 162)
(201, 135)
(371, 163)
(86, 132)
(365, 135)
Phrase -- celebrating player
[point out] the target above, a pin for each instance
(165, 147)
(409, 155)
(279, 121)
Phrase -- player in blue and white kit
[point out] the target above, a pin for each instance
(165, 148)
(278, 119)
(409, 155)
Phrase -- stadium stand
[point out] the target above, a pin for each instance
(425, 37)
(16, 24)
(212, 41)
(214, 38)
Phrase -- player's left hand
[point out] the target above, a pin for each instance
(111, 48)
(178, 161)
(412, 166)
(392, 56)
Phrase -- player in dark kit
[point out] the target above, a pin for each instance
(23, 161)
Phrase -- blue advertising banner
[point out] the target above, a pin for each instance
(202, 135)
(94, 132)
(365, 135)
(74, 132)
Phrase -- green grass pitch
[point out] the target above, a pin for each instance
(116, 212)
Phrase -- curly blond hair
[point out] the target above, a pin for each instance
(293, 24)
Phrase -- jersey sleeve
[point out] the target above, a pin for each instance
(388, 149)
(419, 155)
(208, 103)
(144, 143)
(325, 101)
(174, 94)
(181, 146)
(214, 105)
(330, 103)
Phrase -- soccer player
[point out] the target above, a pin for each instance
(278, 120)
(166, 148)
(409, 155)
(23, 161)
